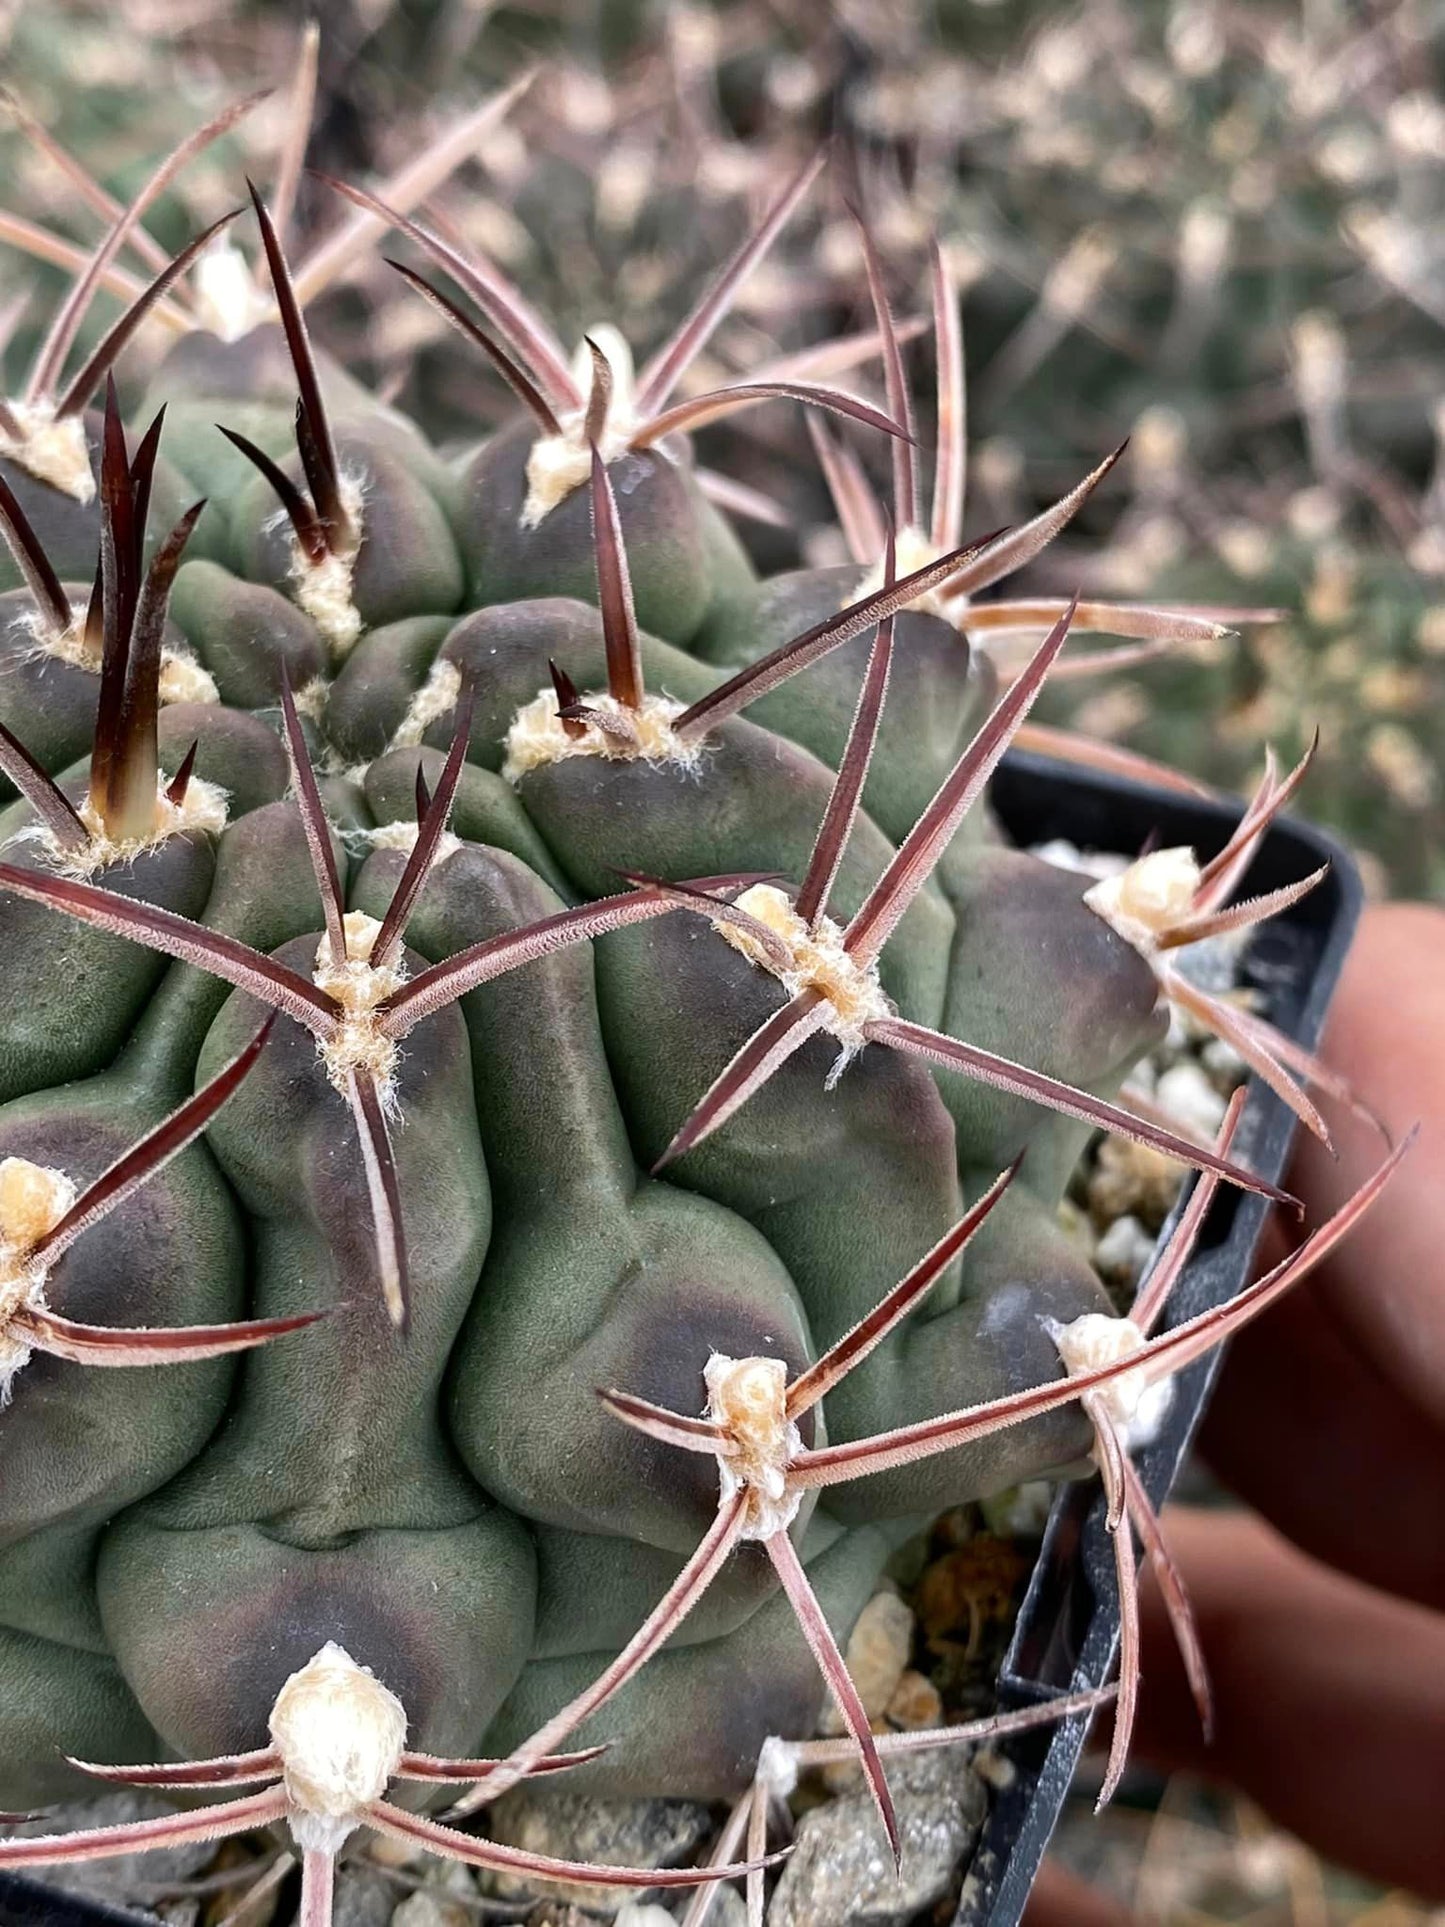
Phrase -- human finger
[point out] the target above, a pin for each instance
(1329, 1698)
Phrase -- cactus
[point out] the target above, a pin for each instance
(612, 1039)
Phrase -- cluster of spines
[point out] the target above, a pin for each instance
(47, 399)
(741, 1514)
(323, 523)
(121, 635)
(131, 614)
(41, 429)
(535, 366)
(30, 1250)
(359, 1007)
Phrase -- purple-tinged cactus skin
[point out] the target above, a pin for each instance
(639, 991)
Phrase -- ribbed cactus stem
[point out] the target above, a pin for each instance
(500, 890)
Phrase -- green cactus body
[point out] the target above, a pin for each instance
(452, 1503)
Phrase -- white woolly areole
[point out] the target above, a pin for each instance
(203, 807)
(228, 302)
(851, 991)
(1135, 1403)
(359, 986)
(323, 589)
(912, 550)
(33, 1200)
(64, 645)
(353, 981)
(16, 1349)
(51, 447)
(436, 698)
(748, 1398)
(558, 464)
(643, 735)
(183, 680)
(777, 1767)
(1148, 898)
(403, 836)
(340, 1734)
(311, 701)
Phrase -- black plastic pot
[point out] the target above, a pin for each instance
(31, 1903)
(1068, 1630)
(1067, 1635)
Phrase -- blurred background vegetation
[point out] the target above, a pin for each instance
(1216, 228)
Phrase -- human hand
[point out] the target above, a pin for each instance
(1322, 1615)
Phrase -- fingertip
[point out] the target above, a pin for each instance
(1061, 1899)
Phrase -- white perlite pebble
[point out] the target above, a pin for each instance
(1141, 1080)
(841, 1869)
(1064, 855)
(1185, 1092)
(644, 1914)
(1177, 1039)
(1020, 1513)
(570, 1826)
(729, 1909)
(386, 1852)
(1123, 1252)
(877, 1656)
(1131, 1180)
(1214, 963)
(1223, 1062)
(994, 1770)
(447, 1900)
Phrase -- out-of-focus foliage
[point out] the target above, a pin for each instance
(1218, 225)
